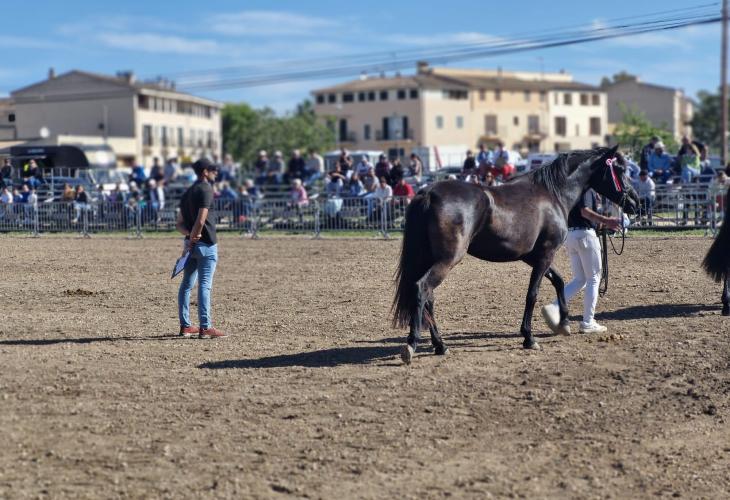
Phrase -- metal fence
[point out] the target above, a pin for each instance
(700, 207)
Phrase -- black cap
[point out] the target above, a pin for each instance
(203, 164)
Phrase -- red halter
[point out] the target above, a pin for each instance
(610, 163)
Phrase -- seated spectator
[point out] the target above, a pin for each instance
(470, 164)
(502, 162)
(228, 169)
(117, 195)
(314, 167)
(397, 172)
(333, 188)
(298, 197)
(403, 190)
(68, 193)
(362, 166)
(383, 168)
(156, 194)
(6, 173)
(490, 180)
(17, 197)
(81, 202)
(252, 190)
(355, 186)
(415, 167)
(138, 175)
(484, 160)
(719, 188)
(156, 172)
(646, 189)
(384, 191)
(172, 170)
(295, 167)
(261, 167)
(370, 180)
(660, 163)
(275, 169)
(345, 162)
(6, 197)
(689, 160)
(227, 192)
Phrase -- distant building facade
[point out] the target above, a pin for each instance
(139, 120)
(7, 120)
(664, 107)
(440, 109)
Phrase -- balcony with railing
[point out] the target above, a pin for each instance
(398, 135)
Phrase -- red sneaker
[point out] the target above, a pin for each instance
(189, 331)
(211, 333)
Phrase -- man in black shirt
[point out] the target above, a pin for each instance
(195, 221)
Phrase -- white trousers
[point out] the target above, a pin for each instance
(584, 251)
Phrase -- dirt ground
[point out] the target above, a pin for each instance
(308, 397)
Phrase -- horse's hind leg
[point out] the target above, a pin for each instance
(438, 344)
(563, 326)
(726, 296)
(424, 293)
(526, 329)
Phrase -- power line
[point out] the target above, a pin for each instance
(459, 53)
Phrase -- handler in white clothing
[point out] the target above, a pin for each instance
(584, 251)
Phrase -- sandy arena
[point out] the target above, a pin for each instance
(308, 397)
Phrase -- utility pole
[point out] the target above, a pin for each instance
(723, 83)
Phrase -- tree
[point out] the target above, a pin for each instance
(706, 125)
(622, 76)
(247, 130)
(635, 130)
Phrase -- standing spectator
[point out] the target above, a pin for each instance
(6, 172)
(502, 162)
(196, 221)
(6, 203)
(689, 160)
(415, 167)
(484, 160)
(646, 190)
(397, 172)
(296, 166)
(314, 167)
(363, 166)
(275, 169)
(659, 163)
(646, 152)
(156, 196)
(138, 175)
(470, 164)
(404, 190)
(157, 172)
(344, 161)
(171, 170)
(228, 169)
(383, 168)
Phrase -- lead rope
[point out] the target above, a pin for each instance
(605, 239)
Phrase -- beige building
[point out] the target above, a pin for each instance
(664, 107)
(441, 112)
(7, 120)
(139, 120)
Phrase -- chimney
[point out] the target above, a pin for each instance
(422, 67)
(127, 76)
(51, 73)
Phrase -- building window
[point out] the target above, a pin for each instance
(164, 137)
(595, 125)
(414, 94)
(366, 132)
(561, 126)
(516, 121)
(180, 137)
(383, 95)
(361, 96)
(567, 98)
(543, 96)
(439, 122)
(143, 102)
(456, 94)
(533, 124)
(596, 99)
(371, 96)
(343, 130)
(584, 99)
(209, 139)
(527, 96)
(147, 135)
(348, 97)
(490, 124)
(401, 94)
(482, 95)
(11, 117)
(459, 122)
(331, 98)
(497, 95)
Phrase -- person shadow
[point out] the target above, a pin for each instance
(655, 311)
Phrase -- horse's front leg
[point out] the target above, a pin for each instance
(726, 296)
(538, 271)
(562, 325)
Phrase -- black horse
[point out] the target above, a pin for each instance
(524, 219)
(717, 260)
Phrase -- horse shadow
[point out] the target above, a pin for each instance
(656, 311)
(324, 358)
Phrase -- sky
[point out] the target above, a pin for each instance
(163, 38)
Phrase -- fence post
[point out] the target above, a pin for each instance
(85, 223)
(138, 222)
(384, 218)
(36, 223)
(317, 227)
(255, 221)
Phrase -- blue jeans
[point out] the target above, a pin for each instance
(201, 266)
(688, 173)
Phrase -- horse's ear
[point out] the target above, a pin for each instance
(613, 150)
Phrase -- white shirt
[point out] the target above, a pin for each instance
(646, 189)
(384, 192)
(363, 167)
(6, 198)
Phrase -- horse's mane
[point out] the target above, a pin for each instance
(553, 176)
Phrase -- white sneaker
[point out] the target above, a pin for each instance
(592, 328)
(551, 315)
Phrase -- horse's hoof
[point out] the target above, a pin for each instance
(551, 315)
(563, 329)
(534, 346)
(441, 350)
(726, 311)
(406, 354)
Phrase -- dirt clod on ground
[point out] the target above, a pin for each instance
(308, 397)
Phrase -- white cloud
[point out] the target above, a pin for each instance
(267, 23)
(21, 42)
(443, 39)
(152, 42)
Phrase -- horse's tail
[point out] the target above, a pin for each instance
(415, 260)
(717, 260)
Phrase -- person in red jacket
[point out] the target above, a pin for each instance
(404, 191)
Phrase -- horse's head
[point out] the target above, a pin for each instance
(608, 178)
